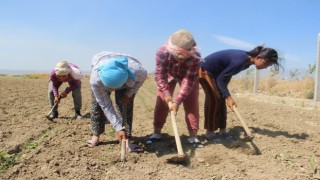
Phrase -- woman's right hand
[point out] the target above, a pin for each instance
(168, 99)
(173, 107)
(56, 99)
(121, 135)
(231, 102)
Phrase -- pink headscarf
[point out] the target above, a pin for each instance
(180, 52)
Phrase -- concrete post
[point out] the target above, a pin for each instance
(317, 77)
(256, 82)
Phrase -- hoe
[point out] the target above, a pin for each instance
(249, 137)
(181, 157)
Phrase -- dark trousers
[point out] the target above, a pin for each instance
(76, 95)
(215, 109)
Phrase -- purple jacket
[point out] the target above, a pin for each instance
(56, 83)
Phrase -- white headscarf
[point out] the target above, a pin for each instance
(62, 68)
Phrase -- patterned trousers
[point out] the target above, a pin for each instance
(98, 119)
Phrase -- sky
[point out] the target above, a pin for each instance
(37, 34)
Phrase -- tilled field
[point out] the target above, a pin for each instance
(286, 143)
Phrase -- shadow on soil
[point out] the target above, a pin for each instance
(279, 133)
(166, 148)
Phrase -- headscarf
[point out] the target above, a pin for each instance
(182, 44)
(62, 68)
(115, 73)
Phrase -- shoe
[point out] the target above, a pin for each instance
(213, 137)
(225, 136)
(53, 115)
(78, 115)
(135, 148)
(195, 142)
(92, 143)
(153, 138)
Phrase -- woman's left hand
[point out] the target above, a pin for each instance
(174, 107)
(63, 95)
(121, 135)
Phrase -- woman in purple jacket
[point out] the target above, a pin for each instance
(65, 72)
(215, 73)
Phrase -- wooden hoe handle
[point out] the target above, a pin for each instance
(242, 122)
(124, 142)
(175, 131)
(54, 106)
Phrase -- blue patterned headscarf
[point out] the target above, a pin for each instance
(115, 73)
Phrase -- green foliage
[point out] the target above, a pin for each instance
(294, 74)
(32, 144)
(45, 133)
(311, 69)
(106, 157)
(217, 177)
(144, 102)
(111, 132)
(309, 94)
(189, 151)
(313, 166)
(272, 72)
(285, 158)
(7, 160)
(247, 78)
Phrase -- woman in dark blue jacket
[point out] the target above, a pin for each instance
(215, 74)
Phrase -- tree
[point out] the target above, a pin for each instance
(311, 69)
(294, 74)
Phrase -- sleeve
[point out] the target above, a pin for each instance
(222, 83)
(161, 73)
(55, 84)
(225, 76)
(187, 82)
(104, 100)
(141, 76)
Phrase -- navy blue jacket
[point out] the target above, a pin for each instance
(222, 65)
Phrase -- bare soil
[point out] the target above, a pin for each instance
(286, 143)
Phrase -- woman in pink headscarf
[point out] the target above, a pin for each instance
(177, 62)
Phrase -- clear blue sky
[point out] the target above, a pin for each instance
(36, 34)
